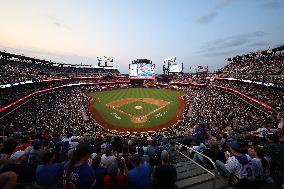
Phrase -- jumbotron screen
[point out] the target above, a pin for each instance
(198, 69)
(142, 71)
(175, 68)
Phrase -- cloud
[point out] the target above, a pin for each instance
(272, 4)
(206, 18)
(209, 17)
(57, 22)
(61, 25)
(223, 3)
(218, 46)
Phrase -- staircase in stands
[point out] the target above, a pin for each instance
(194, 176)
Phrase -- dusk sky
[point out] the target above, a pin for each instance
(201, 32)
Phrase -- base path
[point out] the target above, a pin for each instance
(100, 120)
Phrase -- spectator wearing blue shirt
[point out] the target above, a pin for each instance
(100, 172)
(140, 176)
(78, 174)
(48, 174)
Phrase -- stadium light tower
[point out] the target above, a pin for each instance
(170, 59)
(105, 59)
(99, 60)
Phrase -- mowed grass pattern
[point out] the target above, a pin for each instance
(145, 108)
(118, 119)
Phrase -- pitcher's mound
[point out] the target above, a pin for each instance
(138, 107)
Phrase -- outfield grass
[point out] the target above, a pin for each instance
(118, 119)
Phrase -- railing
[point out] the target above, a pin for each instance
(190, 150)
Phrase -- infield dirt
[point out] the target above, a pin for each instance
(138, 119)
(99, 119)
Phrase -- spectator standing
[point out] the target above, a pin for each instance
(238, 168)
(165, 175)
(49, 174)
(100, 172)
(113, 179)
(77, 173)
(140, 176)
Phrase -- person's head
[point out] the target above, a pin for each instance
(82, 151)
(234, 147)
(136, 159)
(37, 144)
(213, 146)
(165, 157)
(130, 142)
(132, 150)
(195, 141)
(251, 152)
(150, 140)
(48, 157)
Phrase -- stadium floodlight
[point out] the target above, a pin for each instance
(104, 59)
(170, 59)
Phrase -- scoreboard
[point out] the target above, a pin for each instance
(142, 71)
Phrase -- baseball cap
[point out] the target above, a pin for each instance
(234, 145)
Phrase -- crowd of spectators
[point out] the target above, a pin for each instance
(109, 162)
(268, 68)
(270, 95)
(60, 111)
(12, 71)
(21, 72)
(13, 93)
(220, 109)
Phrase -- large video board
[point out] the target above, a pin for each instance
(175, 68)
(142, 71)
(198, 69)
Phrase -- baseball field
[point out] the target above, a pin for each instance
(137, 109)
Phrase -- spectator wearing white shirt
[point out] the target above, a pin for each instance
(238, 165)
(281, 121)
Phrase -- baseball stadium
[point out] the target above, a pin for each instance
(123, 94)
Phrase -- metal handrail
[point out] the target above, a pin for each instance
(215, 173)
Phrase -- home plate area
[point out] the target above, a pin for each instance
(138, 109)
